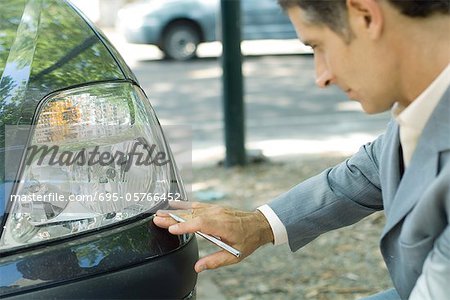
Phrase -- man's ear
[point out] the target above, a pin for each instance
(367, 15)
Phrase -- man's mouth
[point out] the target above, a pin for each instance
(350, 94)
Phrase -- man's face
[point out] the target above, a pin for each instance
(357, 67)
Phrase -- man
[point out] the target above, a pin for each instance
(386, 54)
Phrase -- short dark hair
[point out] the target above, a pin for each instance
(422, 8)
(333, 13)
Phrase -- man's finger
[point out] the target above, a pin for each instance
(163, 221)
(214, 261)
(185, 214)
(188, 227)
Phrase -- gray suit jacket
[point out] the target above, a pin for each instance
(416, 205)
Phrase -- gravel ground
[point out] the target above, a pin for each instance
(343, 264)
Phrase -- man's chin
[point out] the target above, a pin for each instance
(368, 107)
(371, 109)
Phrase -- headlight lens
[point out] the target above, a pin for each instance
(96, 156)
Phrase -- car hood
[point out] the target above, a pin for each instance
(45, 46)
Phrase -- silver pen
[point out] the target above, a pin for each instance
(210, 238)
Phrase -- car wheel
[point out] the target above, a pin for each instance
(180, 41)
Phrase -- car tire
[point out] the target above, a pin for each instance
(180, 41)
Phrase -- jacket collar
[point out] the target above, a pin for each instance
(423, 167)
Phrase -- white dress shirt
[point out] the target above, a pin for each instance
(412, 121)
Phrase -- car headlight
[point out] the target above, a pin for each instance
(95, 157)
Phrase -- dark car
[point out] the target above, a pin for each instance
(84, 165)
(178, 26)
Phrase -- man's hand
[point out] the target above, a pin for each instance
(245, 231)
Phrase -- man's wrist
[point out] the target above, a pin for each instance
(266, 233)
(279, 232)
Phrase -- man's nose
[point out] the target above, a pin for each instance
(324, 78)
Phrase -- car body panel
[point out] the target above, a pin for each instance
(135, 282)
(138, 244)
(129, 75)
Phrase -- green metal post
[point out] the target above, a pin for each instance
(232, 83)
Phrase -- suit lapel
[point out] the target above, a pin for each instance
(390, 172)
(423, 167)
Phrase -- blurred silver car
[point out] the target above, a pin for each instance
(177, 27)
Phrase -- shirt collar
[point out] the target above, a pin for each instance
(416, 115)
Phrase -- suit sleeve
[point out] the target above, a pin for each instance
(433, 283)
(337, 197)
